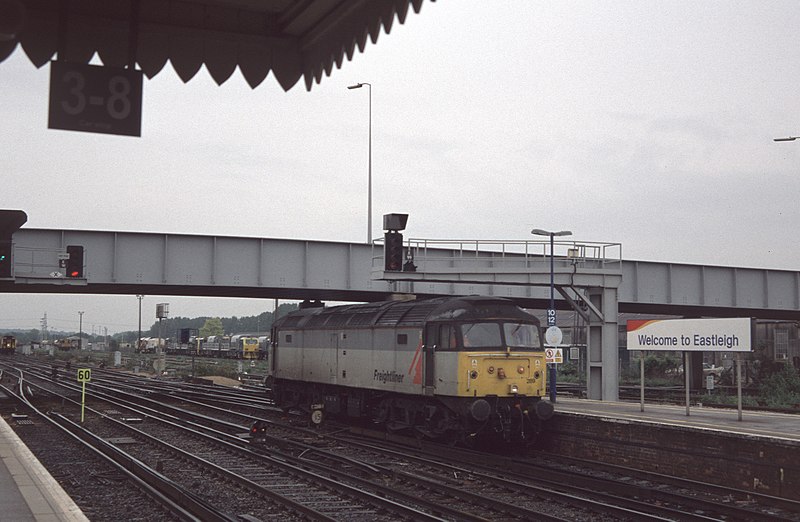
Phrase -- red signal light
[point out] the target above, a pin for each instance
(75, 261)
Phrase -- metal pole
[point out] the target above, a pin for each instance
(369, 178)
(686, 378)
(139, 297)
(552, 307)
(83, 399)
(641, 370)
(552, 278)
(80, 331)
(739, 382)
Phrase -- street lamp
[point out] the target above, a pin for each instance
(540, 232)
(80, 331)
(787, 138)
(369, 178)
(551, 312)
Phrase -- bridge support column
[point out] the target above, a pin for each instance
(602, 373)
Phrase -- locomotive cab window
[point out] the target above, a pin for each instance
(447, 338)
(288, 338)
(514, 335)
(521, 335)
(402, 338)
(481, 335)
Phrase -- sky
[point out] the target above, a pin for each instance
(649, 124)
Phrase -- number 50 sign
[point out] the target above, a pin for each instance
(93, 98)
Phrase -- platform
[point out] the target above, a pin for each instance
(27, 491)
(783, 426)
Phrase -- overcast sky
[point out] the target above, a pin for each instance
(644, 123)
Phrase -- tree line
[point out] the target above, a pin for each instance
(205, 326)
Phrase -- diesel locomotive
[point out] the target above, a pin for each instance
(8, 344)
(452, 368)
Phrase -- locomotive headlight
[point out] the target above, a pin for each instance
(520, 370)
(473, 374)
(536, 375)
(513, 388)
(490, 370)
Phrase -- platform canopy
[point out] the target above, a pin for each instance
(289, 38)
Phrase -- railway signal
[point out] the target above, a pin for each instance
(10, 221)
(5, 259)
(75, 261)
(393, 254)
(393, 241)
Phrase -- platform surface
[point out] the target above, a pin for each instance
(784, 426)
(27, 490)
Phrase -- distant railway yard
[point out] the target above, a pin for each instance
(159, 449)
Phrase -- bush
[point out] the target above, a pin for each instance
(724, 399)
(781, 389)
(568, 372)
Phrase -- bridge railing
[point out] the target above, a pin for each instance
(504, 256)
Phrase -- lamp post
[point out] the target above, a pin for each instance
(369, 175)
(551, 312)
(80, 331)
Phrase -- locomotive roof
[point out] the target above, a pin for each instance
(405, 313)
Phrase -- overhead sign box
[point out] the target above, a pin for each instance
(93, 98)
(691, 335)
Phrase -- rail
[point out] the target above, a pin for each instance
(504, 255)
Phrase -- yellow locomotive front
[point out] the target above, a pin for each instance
(489, 370)
(502, 376)
(249, 347)
(517, 368)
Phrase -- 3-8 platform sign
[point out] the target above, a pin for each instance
(91, 98)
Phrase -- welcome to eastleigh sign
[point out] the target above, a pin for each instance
(699, 335)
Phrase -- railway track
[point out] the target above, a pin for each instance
(244, 485)
(69, 461)
(441, 483)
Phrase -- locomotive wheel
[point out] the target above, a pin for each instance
(317, 417)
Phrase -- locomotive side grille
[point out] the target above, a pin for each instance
(322, 320)
(393, 315)
(291, 321)
(417, 314)
(361, 319)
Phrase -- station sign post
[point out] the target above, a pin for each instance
(553, 355)
(692, 335)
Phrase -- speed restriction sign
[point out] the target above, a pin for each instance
(84, 375)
